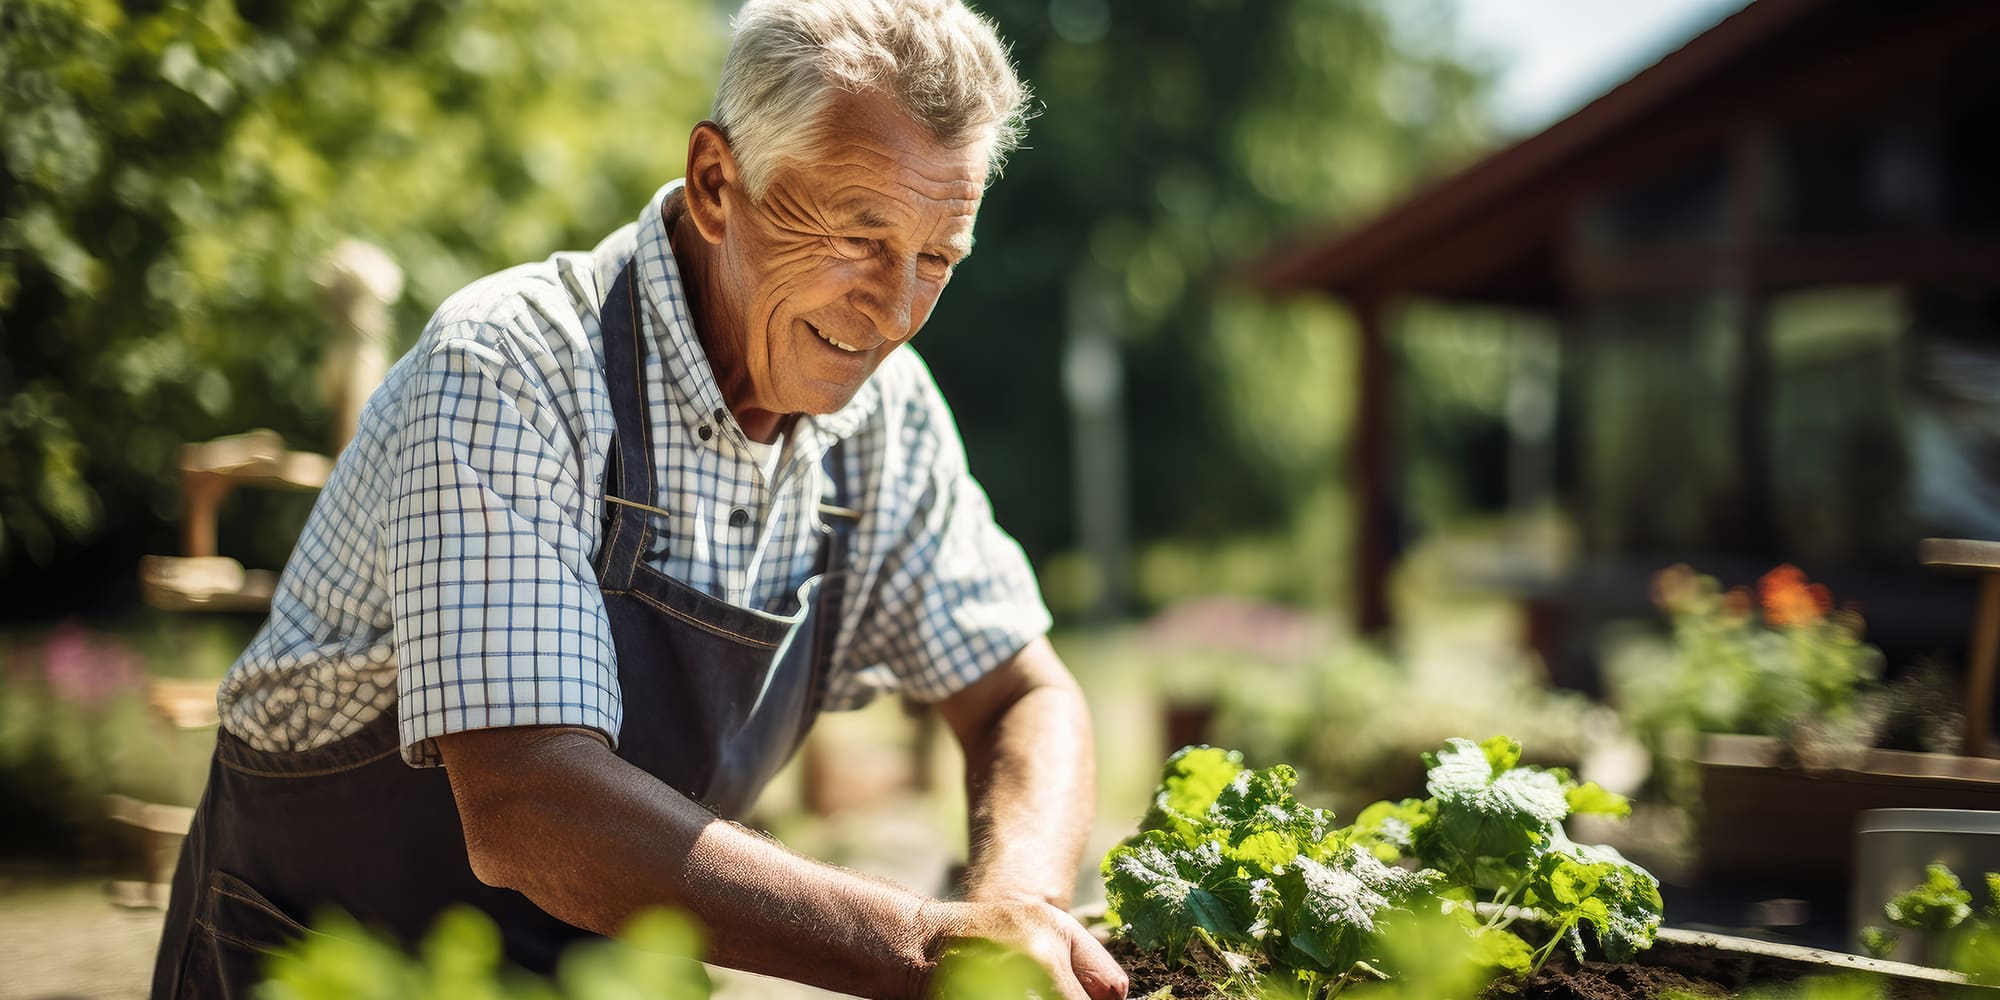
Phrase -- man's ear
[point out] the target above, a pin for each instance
(711, 177)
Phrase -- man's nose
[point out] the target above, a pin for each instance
(890, 297)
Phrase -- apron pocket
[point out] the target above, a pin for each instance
(247, 928)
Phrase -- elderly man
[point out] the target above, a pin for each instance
(617, 529)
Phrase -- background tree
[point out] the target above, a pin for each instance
(1177, 139)
(171, 175)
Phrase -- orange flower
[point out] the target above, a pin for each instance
(1789, 600)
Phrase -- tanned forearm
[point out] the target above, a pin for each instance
(593, 840)
(1030, 778)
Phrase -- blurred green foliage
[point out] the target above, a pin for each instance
(171, 174)
(1355, 716)
(657, 956)
(983, 970)
(1853, 986)
(1463, 374)
(1177, 141)
(1651, 379)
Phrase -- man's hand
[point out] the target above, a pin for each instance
(1080, 967)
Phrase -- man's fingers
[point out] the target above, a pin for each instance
(1066, 989)
(1079, 967)
(1095, 969)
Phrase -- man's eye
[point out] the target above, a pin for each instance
(934, 265)
(854, 246)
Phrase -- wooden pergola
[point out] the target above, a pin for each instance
(1504, 231)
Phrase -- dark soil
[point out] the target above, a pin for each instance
(1594, 981)
(1564, 980)
(1149, 974)
(1667, 970)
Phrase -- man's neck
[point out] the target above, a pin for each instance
(695, 258)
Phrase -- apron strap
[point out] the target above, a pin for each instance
(836, 506)
(625, 371)
(838, 519)
(628, 479)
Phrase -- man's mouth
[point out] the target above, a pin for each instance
(822, 334)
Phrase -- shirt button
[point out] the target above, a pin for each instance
(705, 432)
(739, 517)
(721, 415)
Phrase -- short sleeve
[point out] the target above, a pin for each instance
(955, 596)
(498, 619)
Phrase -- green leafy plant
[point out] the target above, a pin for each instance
(1497, 828)
(1955, 935)
(657, 956)
(1356, 717)
(1748, 663)
(1231, 875)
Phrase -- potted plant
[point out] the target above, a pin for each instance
(1773, 696)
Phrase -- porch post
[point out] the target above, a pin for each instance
(1369, 468)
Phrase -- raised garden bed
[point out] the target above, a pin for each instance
(1812, 836)
(1232, 888)
(1680, 963)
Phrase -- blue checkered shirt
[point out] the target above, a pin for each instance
(446, 571)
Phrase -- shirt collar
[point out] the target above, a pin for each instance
(697, 397)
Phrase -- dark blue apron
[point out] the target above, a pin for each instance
(716, 699)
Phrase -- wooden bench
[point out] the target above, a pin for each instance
(1965, 555)
(198, 579)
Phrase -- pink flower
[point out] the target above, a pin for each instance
(87, 673)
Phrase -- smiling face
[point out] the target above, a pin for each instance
(801, 294)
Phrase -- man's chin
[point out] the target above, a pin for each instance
(818, 398)
(824, 403)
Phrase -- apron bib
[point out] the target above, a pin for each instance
(716, 699)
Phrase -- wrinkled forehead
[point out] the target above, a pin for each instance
(871, 133)
(859, 180)
(873, 180)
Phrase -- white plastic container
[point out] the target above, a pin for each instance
(1892, 848)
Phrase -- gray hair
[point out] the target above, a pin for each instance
(941, 62)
